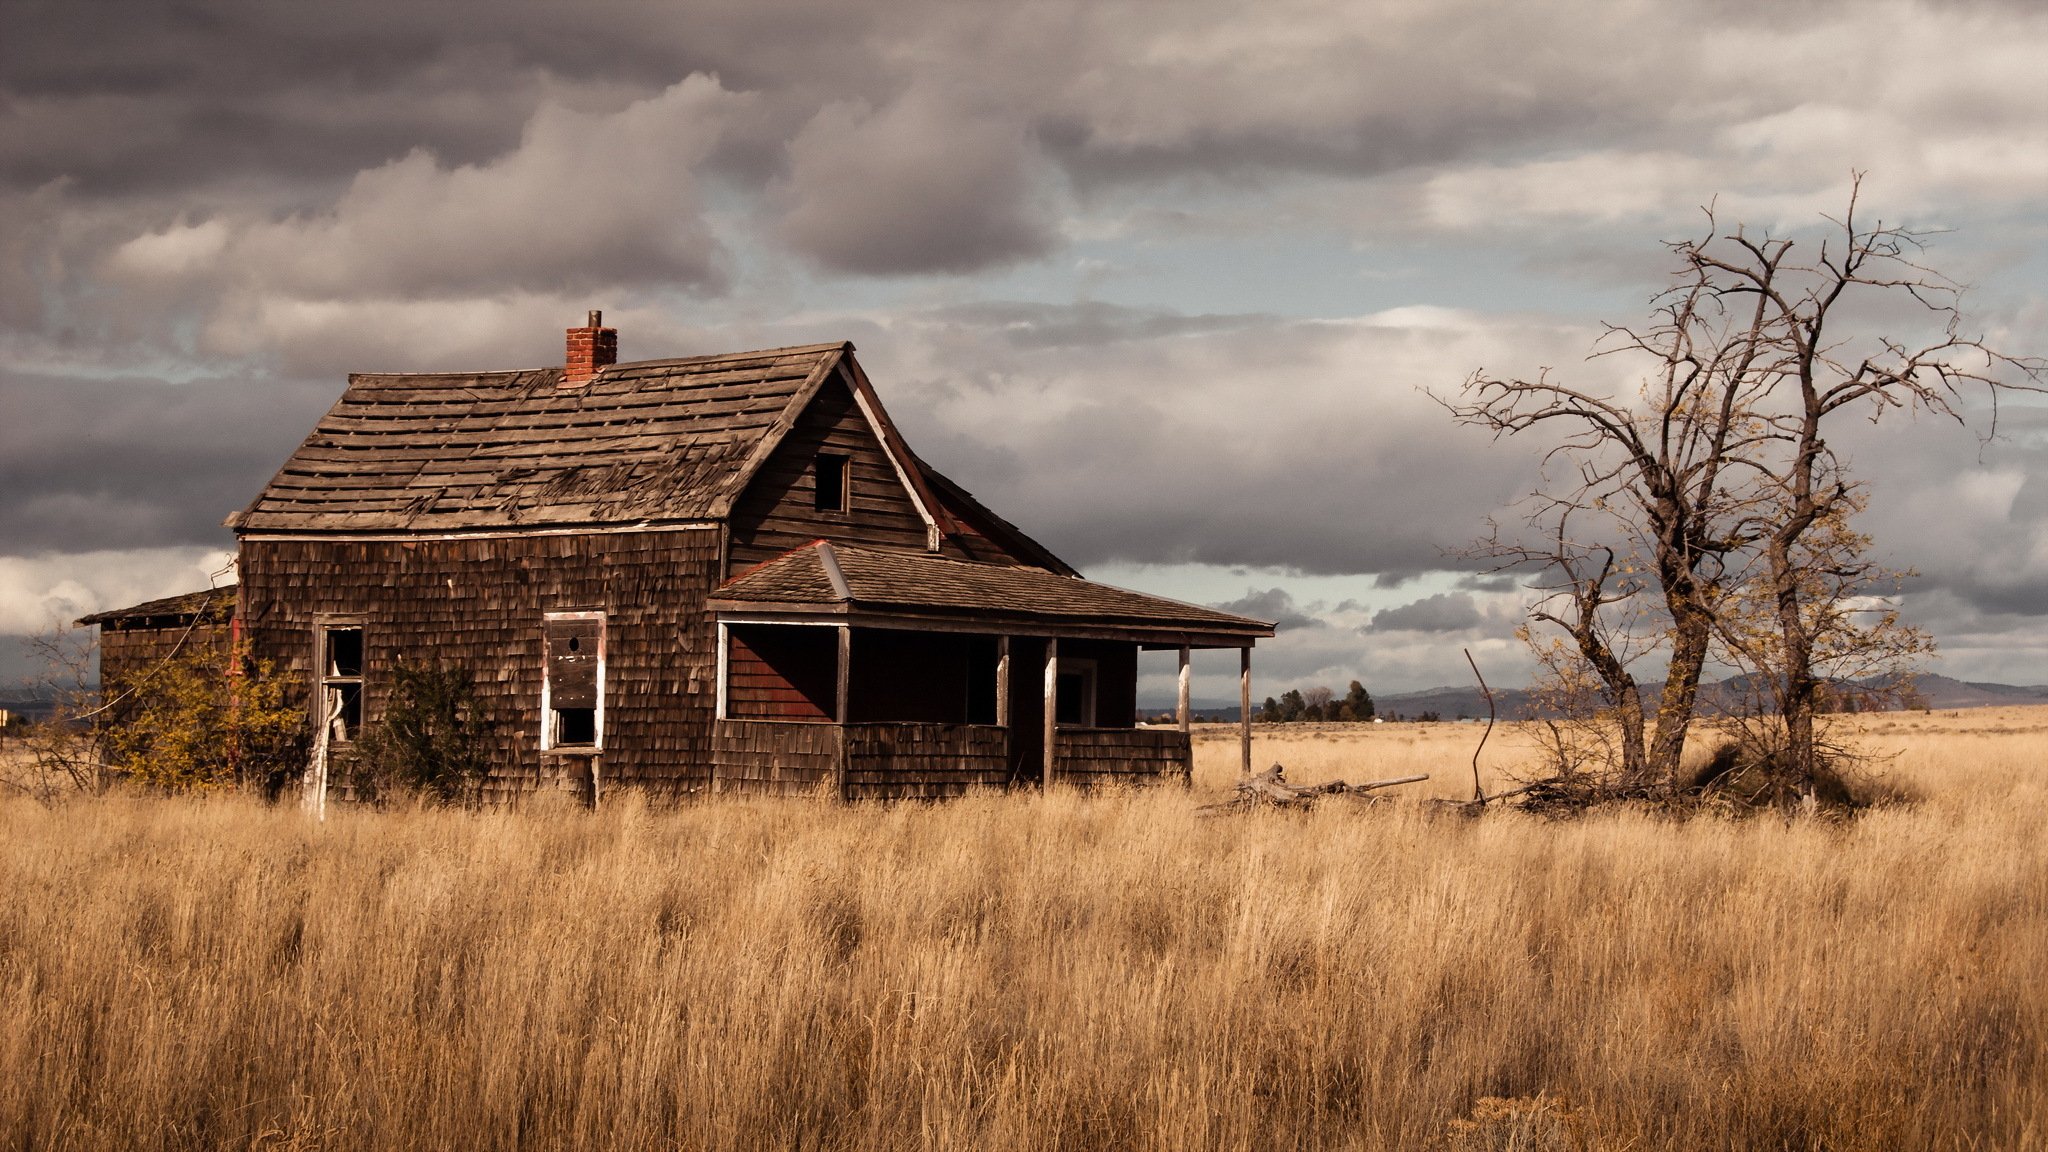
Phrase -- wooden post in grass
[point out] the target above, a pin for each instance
(1187, 740)
(1244, 710)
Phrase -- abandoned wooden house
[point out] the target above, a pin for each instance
(722, 573)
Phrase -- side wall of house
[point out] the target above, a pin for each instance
(478, 603)
(127, 651)
(130, 650)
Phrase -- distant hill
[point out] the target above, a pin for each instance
(26, 705)
(1453, 703)
(1946, 692)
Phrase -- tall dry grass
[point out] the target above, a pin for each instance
(1037, 972)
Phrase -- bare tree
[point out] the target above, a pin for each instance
(1318, 701)
(1655, 467)
(1809, 570)
(1713, 486)
(63, 751)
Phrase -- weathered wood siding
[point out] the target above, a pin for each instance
(478, 603)
(881, 761)
(777, 513)
(1086, 756)
(126, 653)
(899, 761)
(771, 758)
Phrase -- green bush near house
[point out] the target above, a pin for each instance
(430, 740)
(202, 719)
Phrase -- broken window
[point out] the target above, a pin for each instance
(572, 689)
(341, 681)
(829, 483)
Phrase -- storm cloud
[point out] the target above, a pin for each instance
(1167, 286)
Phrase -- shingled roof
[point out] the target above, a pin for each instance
(656, 440)
(210, 604)
(841, 579)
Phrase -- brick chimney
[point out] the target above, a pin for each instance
(590, 347)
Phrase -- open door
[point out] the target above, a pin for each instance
(1027, 710)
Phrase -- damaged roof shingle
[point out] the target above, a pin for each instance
(657, 440)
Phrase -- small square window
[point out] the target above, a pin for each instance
(829, 483)
(575, 727)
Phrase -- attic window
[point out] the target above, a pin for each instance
(572, 688)
(828, 492)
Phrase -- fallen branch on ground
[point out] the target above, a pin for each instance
(1270, 788)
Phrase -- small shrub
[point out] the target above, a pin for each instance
(430, 740)
(204, 719)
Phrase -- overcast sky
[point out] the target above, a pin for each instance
(1162, 282)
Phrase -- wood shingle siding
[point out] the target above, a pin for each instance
(775, 759)
(924, 761)
(479, 603)
(1093, 756)
(902, 761)
(135, 642)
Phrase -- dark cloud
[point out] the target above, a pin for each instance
(583, 200)
(1274, 605)
(1443, 612)
(92, 464)
(1499, 582)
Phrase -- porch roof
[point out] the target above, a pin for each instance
(880, 587)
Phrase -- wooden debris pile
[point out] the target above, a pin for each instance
(1270, 789)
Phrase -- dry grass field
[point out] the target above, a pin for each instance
(1044, 972)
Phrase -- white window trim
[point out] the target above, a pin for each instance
(547, 707)
(322, 682)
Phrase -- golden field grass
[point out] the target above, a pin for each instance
(1063, 971)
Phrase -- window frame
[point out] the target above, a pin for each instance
(326, 681)
(550, 719)
(845, 464)
(1084, 667)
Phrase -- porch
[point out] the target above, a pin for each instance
(865, 673)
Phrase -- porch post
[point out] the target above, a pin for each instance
(1052, 687)
(845, 680)
(724, 646)
(1002, 681)
(1187, 740)
(1244, 709)
(839, 709)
